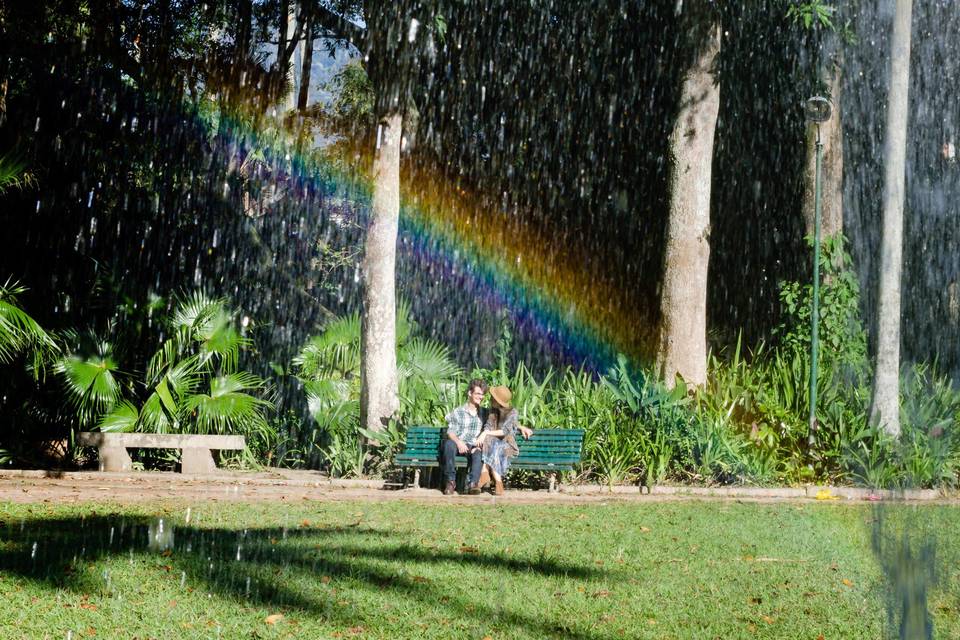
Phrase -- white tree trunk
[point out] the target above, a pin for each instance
(378, 396)
(289, 98)
(885, 409)
(682, 346)
(831, 176)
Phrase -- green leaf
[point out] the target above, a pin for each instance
(163, 392)
(121, 419)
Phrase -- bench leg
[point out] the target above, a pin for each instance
(552, 480)
(197, 461)
(115, 459)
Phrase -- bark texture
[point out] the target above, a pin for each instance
(305, 67)
(682, 347)
(289, 99)
(378, 396)
(831, 176)
(885, 408)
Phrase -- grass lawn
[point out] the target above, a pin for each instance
(413, 570)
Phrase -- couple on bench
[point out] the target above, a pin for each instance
(485, 436)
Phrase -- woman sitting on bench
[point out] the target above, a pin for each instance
(498, 438)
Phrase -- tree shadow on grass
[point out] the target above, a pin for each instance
(287, 568)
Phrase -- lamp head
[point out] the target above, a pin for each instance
(817, 109)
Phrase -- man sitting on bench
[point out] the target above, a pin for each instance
(463, 426)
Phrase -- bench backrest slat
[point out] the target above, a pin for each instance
(562, 446)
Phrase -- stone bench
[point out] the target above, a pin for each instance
(195, 458)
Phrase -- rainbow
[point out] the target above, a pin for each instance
(549, 287)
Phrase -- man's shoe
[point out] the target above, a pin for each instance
(474, 489)
(451, 488)
(484, 478)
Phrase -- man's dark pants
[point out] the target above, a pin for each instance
(448, 455)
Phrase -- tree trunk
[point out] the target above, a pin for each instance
(244, 27)
(682, 346)
(378, 396)
(290, 100)
(305, 68)
(831, 177)
(885, 409)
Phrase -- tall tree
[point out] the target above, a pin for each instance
(682, 346)
(885, 408)
(393, 40)
(306, 65)
(289, 31)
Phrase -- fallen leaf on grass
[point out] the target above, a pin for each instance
(767, 619)
(467, 549)
(846, 582)
(90, 632)
(325, 580)
(273, 618)
(602, 593)
(88, 606)
(355, 631)
(420, 579)
(644, 529)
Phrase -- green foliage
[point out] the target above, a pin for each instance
(329, 368)
(843, 341)
(20, 333)
(88, 372)
(352, 109)
(14, 174)
(812, 12)
(190, 385)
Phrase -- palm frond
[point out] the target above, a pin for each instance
(196, 311)
(406, 326)
(222, 340)
(333, 353)
(229, 407)
(121, 419)
(427, 360)
(184, 377)
(155, 418)
(90, 382)
(18, 331)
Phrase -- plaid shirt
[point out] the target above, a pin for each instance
(464, 425)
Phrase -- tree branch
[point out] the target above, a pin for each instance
(339, 27)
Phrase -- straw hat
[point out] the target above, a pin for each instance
(502, 395)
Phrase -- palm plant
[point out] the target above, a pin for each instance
(89, 375)
(19, 332)
(191, 384)
(329, 367)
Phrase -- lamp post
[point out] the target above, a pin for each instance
(817, 110)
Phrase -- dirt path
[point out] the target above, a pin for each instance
(286, 485)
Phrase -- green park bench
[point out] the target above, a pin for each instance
(548, 450)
